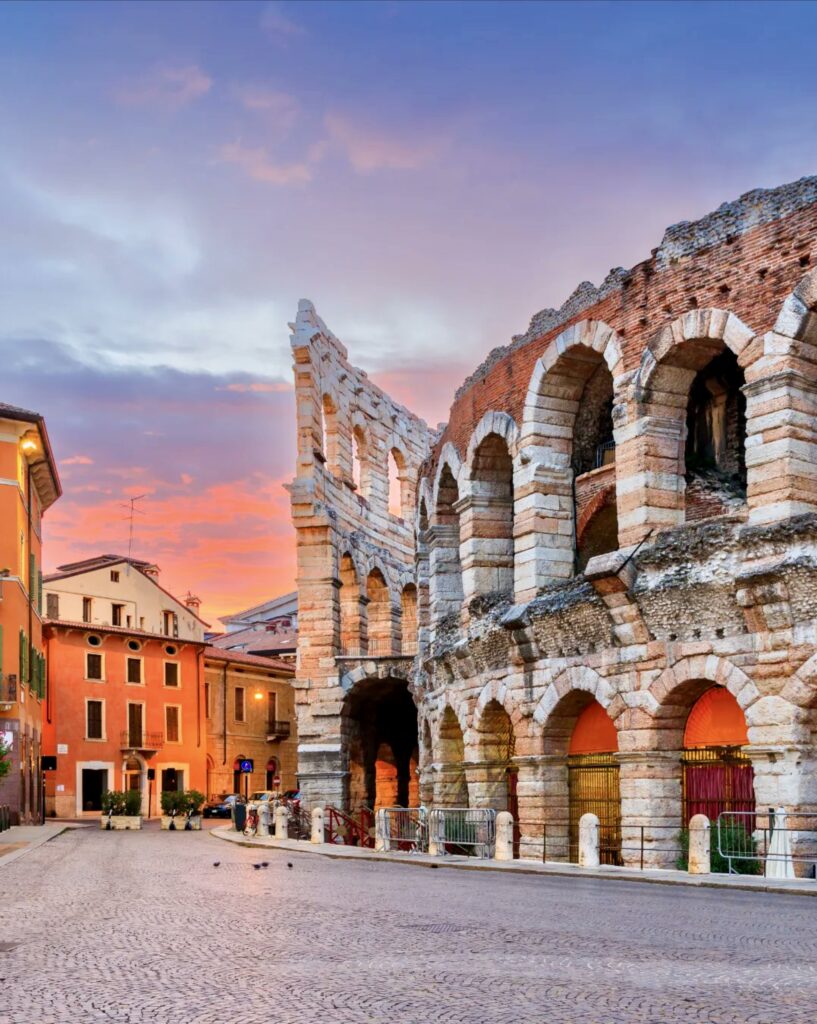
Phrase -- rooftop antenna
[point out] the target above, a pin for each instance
(132, 511)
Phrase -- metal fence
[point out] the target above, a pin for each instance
(772, 843)
(403, 829)
(462, 830)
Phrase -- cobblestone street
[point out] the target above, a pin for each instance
(141, 927)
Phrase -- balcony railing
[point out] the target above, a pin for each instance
(138, 739)
(278, 730)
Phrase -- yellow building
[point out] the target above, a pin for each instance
(29, 485)
(250, 713)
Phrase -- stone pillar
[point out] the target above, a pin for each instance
(381, 832)
(588, 841)
(445, 572)
(543, 528)
(317, 834)
(322, 774)
(263, 818)
(486, 544)
(649, 475)
(487, 784)
(700, 838)
(281, 819)
(781, 445)
(504, 836)
(650, 787)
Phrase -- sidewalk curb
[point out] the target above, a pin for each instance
(39, 841)
(806, 887)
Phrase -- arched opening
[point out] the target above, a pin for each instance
(399, 499)
(134, 768)
(487, 521)
(716, 439)
(380, 739)
(717, 774)
(408, 619)
(597, 534)
(423, 569)
(446, 569)
(272, 774)
(496, 742)
(352, 618)
(361, 468)
(379, 614)
(452, 788)
(593, 781)
(331, 441)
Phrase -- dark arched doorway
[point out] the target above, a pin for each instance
(717, 774)
(380, 739)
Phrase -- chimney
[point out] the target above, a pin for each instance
(192, 602)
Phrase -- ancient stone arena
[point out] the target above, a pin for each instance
(593, 589)
(140, 928)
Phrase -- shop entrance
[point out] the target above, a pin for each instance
(94, 784)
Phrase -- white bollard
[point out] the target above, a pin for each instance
(281, 817)
(588, 841)
(263, 818)
(700, 845)
(317, 825)
(381, 832)
(504, 836)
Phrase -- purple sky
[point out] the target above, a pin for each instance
(174, 177)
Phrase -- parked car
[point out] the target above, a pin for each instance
(222, 808)
(262, 794)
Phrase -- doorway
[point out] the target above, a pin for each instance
(94, 784)
(172, 780)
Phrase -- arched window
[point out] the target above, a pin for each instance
(408, 619)
(331, 450)
(597, 528)
(379, 614)
(453, 788)
(397, 484)
(352, 620)
(361, 468)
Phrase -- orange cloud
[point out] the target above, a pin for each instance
(170, 87)
(258, 387)
(77, 460)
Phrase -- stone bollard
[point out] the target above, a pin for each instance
(588, 841)
(381, 832)
(263, 818)
(700, 845)
(504, 836)
(317, 825)
(281, 818)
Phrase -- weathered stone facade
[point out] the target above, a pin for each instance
(710, 582)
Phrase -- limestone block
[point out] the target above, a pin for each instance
(281, 819)
(504, 836)
(589, 841)
(317, 833)
(699, 845)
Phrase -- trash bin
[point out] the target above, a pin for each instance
(239, 816)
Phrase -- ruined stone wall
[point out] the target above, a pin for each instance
(339, 519)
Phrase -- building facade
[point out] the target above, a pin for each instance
(29, 485)
(125, 707)
(250, 715)
(609, 553)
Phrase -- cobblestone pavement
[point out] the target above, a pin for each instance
(140, 927)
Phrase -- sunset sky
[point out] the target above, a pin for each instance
(174, 177)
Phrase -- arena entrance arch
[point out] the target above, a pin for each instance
(717, 774)
(593, 781)
(380, 744)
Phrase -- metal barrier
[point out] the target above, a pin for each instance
(403, 829)
(462, 830)
(767, 842)
(346, 830)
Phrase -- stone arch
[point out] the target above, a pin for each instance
(576, 679)
(422, 568)
(352, 606)
(797, 319)
(703, 342)
(597, 527)
(379, 612)
(451, 788)
(487, 508)
(579, 375)
(496, 691)
(362, 453)
(405, 475)
(445, 575)
(449, 457)
(332, 442)
(408, 618)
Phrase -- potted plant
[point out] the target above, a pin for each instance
(121, 809)
(194, 801)
(172, 804)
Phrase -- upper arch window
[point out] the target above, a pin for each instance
(487, 533)
(329, 426)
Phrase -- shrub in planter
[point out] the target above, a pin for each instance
(121, 810)
(114, 802)
(133, 802)
(194, 801)
(173, 802)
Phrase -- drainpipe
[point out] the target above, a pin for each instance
(199, 682)
(224, 710)
(31, 583)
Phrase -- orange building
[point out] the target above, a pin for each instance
(29, 485)
(126, 705)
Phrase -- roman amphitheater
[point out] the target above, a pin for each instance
(595, 587)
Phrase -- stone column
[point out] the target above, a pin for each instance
(699, 845)
(317, 834)
(589, 841)
(781, 445)
(504, 836)
(281, 819)
(650, 787)
(543, 528)
(323, 777)
(649, 475)
(445, 572)
(263, 818)
(486, 544)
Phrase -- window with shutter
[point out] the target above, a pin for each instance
(52, 602)
(93, 666)
(172, 732)
(171, 673)
(239, 703)
(134, 670)
(94, 720)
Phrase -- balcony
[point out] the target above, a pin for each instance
(278, 730)
(133, 739)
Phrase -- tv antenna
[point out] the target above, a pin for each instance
(132, 511)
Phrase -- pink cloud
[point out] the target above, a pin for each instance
(259, 165)
(277, 24)
(77, 460)
(280, 105)
(170, 88)
(257, 387)
(369, 150)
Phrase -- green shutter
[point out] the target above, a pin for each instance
(45, 676)
(40, 591)
(22, 659)
(32, 577)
